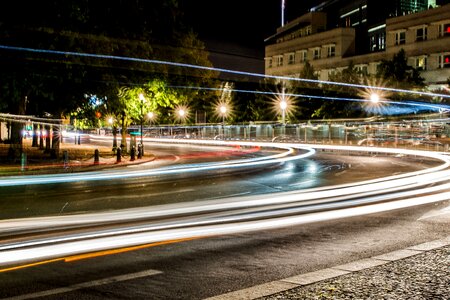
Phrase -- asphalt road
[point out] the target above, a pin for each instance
(87, 196)
(201, 268)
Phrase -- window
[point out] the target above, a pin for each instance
(269, 63)
(382, 41)
(421, 63)
(377, 41)
(348, 22)
(308, 30)
(331, 50)
(373, 43)
(279, 61)
(421, 34)
(400, 38)
(444, 61)
(362, 69)
(316, 53)
(444, 30)
(291, 58)
(302, 54)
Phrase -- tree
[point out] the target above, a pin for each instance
(341, 108)
(56, 84)
(134, 103)
(399, 74)
(307, 105)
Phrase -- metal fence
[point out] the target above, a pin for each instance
(420, 135)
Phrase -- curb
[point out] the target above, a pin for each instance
(285, 284)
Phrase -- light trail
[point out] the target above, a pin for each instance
(231, 215)
(185, 65)
(288, 155)
(404, 103)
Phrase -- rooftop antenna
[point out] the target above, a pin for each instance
(282, 13)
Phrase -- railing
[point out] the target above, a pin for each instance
(419, 135)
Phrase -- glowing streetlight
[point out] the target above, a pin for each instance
(375, 98)
(223, 113)
(182, 114)
(283, 104)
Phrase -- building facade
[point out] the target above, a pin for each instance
(356, 35)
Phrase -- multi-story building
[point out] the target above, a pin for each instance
(356, 35)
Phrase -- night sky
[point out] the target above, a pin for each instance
(234, 30)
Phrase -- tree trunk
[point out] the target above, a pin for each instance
(35, 136)
(41, 137)
(48, 130)
(123, 142)
(56, 141)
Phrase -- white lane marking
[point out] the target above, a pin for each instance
(228, 196)
(123, 197)
(84, 285)
(302, 182)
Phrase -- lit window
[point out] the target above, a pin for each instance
(400, 38)
(444, 61)
(444, 30)
(382, 41)
(421, 63)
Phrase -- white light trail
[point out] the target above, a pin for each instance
(160, 62)
(233, 215)
(288, 155)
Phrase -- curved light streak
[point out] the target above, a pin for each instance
(405, 103)
(233, 215)
(185, 65)
(288, 155)
(43, 252)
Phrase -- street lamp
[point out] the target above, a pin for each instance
(375, 98)
(114, 132)
(283, 106)
(142, 98)
(150, 117)
(223, 112)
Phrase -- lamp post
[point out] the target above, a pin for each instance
(142, 98)
(150, 117)
(223, 112)
(114, 132)
(182, 116)
(283, 106)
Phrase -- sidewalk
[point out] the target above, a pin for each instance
(417, 272)
(81, 158)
